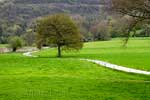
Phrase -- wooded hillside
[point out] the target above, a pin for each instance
(17, 15)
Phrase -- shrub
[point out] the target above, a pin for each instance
(15, 43)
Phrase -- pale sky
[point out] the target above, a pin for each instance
(1, 0)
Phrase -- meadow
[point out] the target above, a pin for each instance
(68, 78)
(135, 55)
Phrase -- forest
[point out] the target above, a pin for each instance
(18, 18)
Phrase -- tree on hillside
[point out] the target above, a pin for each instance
(126, 27)
(59, 30)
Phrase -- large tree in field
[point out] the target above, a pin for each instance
(59, 30)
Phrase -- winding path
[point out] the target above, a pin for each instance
(117, 67)
(105, 64)
(29, 54)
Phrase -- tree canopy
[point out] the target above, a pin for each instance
(134, 8)
(59, 30)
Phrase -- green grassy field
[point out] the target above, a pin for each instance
(135, 55)
(68, 78)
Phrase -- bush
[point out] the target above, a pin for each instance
(15, 43)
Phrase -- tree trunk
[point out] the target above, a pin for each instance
(59, 51)
(14, 49)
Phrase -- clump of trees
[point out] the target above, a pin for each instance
(93, 21)
(59, 30)
(15, 43)
(102, 31)
(16, 19)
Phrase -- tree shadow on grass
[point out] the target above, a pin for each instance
(63, 57)
(81, 56)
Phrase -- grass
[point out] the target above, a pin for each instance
(68, 78)
(135, 55)
(25, 78)
(3, 45)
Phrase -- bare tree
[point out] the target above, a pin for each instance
(135, 8)
(138, 9)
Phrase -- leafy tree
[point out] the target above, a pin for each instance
(59, 30)
(15, 43)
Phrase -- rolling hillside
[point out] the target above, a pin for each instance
(29, 9)
(16, 16)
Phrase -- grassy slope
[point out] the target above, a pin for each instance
(23, 78)
(43, 78)
(136, 55)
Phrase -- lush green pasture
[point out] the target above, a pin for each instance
(68, 78)
(23, 78)
(135, 55)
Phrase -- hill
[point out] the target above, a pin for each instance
(17, 15)
(29, 9)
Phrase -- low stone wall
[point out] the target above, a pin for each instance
(117, 67)
(5, 50)
(27, 49)
(24, 49)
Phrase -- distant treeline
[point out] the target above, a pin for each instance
(59, 1)
(18, 18)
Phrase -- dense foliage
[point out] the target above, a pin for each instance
(58, 30)
(15, 43)
(17, 16)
